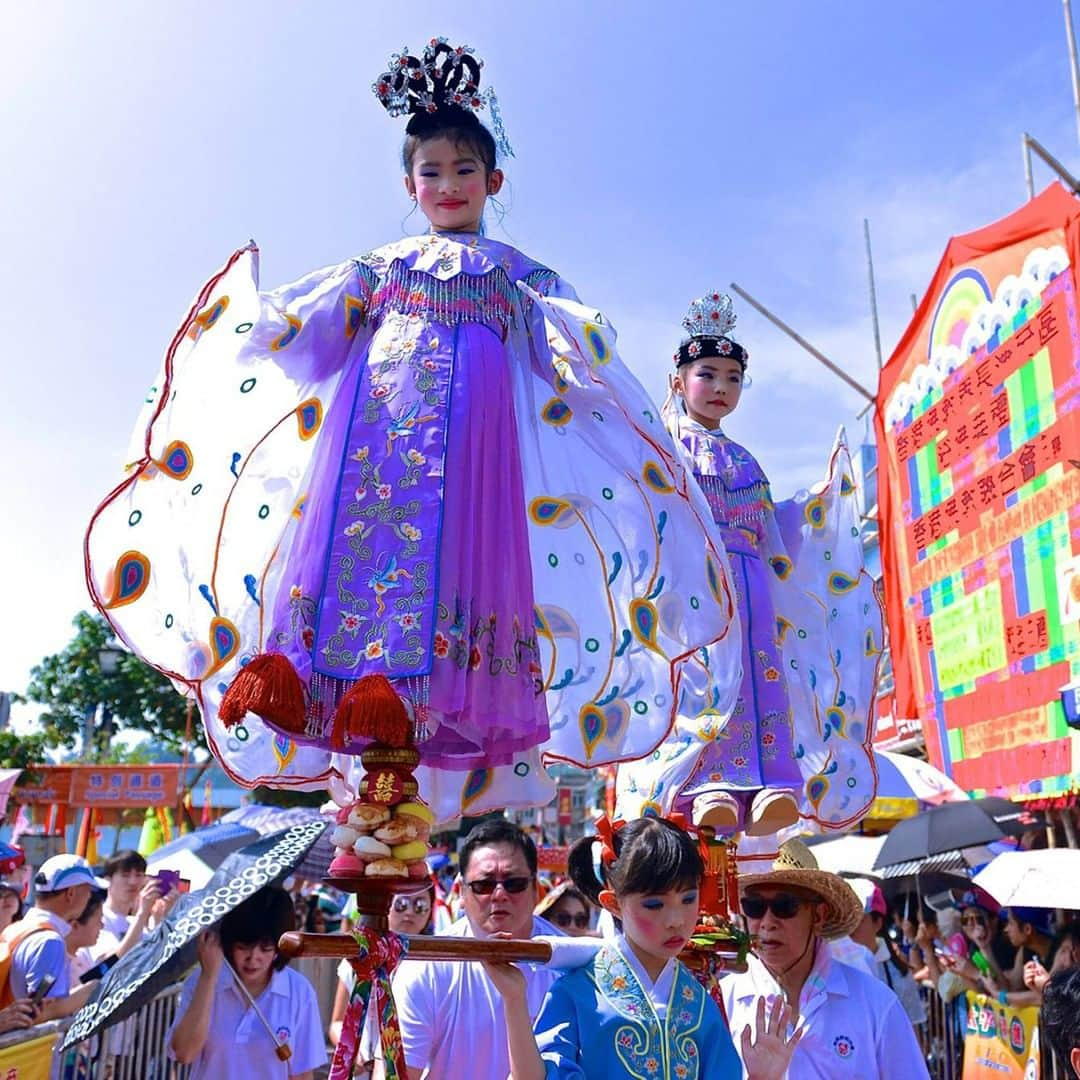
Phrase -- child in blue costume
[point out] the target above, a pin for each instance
(634, 1010)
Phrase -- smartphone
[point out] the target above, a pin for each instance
(98, 971)
(168, 880)
(43, 988)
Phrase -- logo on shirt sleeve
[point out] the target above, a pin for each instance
(843, 1046)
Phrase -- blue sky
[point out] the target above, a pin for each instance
(662, 150)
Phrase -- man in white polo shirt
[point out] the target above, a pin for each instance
(853, 1024)
(62, 888)
(451, 1015)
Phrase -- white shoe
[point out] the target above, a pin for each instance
(716, 810)
(772, 809)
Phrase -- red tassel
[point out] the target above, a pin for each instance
(269, 687)
(371, 710)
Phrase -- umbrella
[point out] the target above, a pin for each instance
(163, 956)
(1012, 818)
(198, 854)
(903, 777)
(271, 819)
(848, 856)
(907, 785)
(951, 827)
(1040, 879)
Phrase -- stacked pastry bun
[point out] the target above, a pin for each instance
(384, 832)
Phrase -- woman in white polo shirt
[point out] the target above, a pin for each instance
(217, 1031)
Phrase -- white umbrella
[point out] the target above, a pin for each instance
(850, 855)
(1041, 879)
(904, 777)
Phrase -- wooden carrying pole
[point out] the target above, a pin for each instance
(421, 947)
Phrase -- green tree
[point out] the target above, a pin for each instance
(73, 688)
(22, 751)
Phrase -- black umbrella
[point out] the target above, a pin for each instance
(950, 827)
(1013, 819)
(163, 956)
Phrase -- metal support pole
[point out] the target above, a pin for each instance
(1074, 65)
(1065, 813)
(873, 292)
(1031, 143)
(1029, 177)
(817, 354)
(914, 303)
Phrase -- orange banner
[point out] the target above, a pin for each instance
(566, 806)
(113, 786)
(125, 785)
(53, 785)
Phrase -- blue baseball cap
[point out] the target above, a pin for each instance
(1039, 918)
(64, 872)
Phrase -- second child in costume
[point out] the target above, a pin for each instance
(796, 739)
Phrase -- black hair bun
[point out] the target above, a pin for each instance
(442, 78)
(449, 116)
(438, 90)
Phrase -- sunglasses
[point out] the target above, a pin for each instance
(564, 920)
(421, 905)
(783, 906)
(486, 886)
(974, 920)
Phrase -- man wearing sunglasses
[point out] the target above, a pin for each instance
(853, 1024)
(451, 1015)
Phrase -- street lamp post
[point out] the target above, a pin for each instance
(109, 656)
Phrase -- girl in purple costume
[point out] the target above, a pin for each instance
(426, 463)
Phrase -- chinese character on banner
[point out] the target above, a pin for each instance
(124, 785)
(566, 806)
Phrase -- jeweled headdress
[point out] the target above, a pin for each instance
(443, 80)
(709, 324)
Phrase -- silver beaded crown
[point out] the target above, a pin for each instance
(708, 326)
(442, 77)
(710, 316)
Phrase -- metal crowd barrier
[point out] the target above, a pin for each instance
(941, 1037)
(135, 1049)
(942, 1040)
(131, 1050)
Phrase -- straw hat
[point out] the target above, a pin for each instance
(552, 897)
(795, 865)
